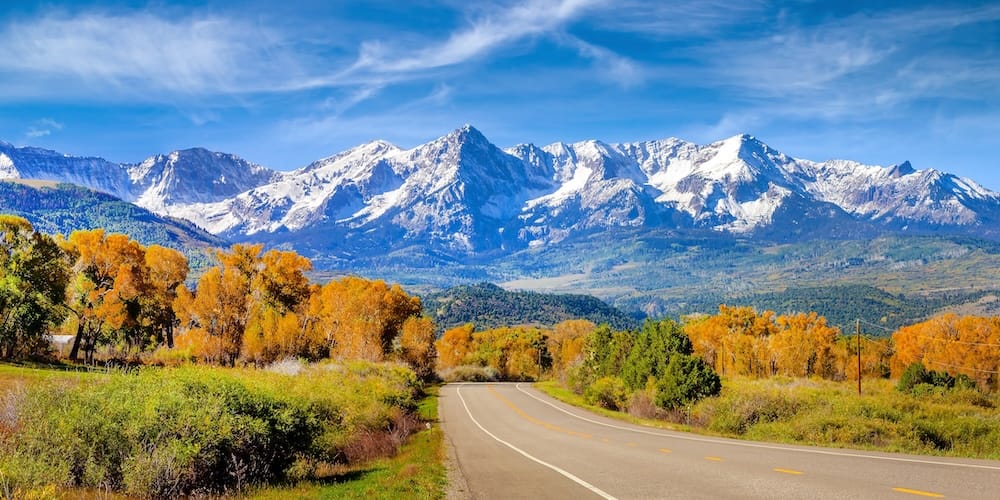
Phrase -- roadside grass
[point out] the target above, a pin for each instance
(164, 432)
(959, 423)
(557, 390)
(417, 471)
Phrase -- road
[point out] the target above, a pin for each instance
(511, 441)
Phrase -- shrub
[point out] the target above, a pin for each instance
(607, 392)
(913, 375)
(737, 415)
(175, 432)
(686, 380)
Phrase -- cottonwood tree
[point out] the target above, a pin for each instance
(33, 279)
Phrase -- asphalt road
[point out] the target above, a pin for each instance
(511, 441)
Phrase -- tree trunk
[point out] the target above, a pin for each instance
(170, 334)
(75, 351)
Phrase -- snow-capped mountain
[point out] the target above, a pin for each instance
(165, 184)
(462, 194)
(35, 163)
(193, 176)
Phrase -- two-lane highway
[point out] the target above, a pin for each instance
(511, 441)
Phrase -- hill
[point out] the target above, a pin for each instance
(489, 306)
(64, 208)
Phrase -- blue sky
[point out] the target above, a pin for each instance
(285, 83)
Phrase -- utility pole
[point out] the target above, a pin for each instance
(858, 330)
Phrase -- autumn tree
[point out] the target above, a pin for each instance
(735, 341)
(953, 344)
(454, 346)
(359, 318)
(566, 342)
(166, 271)
(107, 292)
(253, 305)
(416, 345)
(803, 346)
(34, 275)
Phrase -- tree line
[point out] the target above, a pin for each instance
(251, 307)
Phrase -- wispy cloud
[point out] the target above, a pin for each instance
(42, 128)
(669, 19)
(608, 65)
(136, 53)
(854, 66)
(483, 35)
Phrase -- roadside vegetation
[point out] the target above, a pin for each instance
(929, 389)
(932, 421)
(201, 430)
(250, 376)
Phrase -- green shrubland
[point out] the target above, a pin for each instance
(934, 420)
(201, 430)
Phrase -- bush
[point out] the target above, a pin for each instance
(686, 380)
(738, 415)
(608, 392)
(913, 375)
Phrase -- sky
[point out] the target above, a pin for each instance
(286, 83)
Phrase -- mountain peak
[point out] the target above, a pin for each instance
(897, 171)
(468, 133)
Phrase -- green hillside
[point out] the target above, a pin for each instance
(64, 208)
(489, 306)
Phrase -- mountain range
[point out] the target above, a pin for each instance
(460, 196)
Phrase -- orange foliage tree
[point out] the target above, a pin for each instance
(951, 343)
(454, 346)
(359, 318)
(120, 294)
(741, 341)
(246, 306)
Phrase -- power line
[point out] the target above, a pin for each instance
(958, 341)
(962, 367)
(876, 325)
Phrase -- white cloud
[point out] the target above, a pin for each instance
(133, 54)
(864, 65)
(43, 127)
(609, 65)
(524, 20)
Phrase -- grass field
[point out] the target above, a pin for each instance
(961, 423)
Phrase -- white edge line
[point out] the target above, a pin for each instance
(573, 478)
(755, 445)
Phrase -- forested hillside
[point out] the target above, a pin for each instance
(489, 306)
(842, 305)
(63, 208)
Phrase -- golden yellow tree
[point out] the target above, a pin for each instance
(566, 341)
(359, 318)
(803, 345)
(416, 344)
(954, 344)
(454, 346)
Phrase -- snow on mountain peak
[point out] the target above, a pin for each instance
(461, 192)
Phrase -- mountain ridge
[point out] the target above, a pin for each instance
(462, 195)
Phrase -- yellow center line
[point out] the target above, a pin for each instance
(633, 445)
(534, 420)
(605, 440)
(918, 492)
(789, 471)
(664, 450)
(714, 459)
